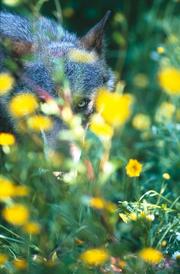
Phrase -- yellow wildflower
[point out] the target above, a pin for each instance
(23, 104)
(114, 107)
(166, 176)
(164, 243)
(39, 122)
(148, 217)
(20, 264)
(9, 189)
(99, 127)
(6, 188)
(3, 259)
(32, 228)
(7, 139)
(95, 256)
(140, 80)
(16, 214)
(133, 168)
(165, 112)
(82, 56)
(122, 264)
(151, 255)
(111, 207)
(132, 216)
(6, 83)
(97, 203)
(169, 80)
(124, 217)
(160, 50)
(100, 203)
(21, 191)
(141, 121)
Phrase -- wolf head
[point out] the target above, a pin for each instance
(48, 44)
(49, 49)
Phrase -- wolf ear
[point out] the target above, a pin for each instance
(94, 38)
(21, 47)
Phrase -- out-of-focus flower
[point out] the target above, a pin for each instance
(133, 168)
(3, 259)
(82, 56)
(6, 139)
(140, 80)
(9, 190)
(97, 202)
(99, 127)
(169, 80)
(141, 121)
(95, 256)
(151, 255)
(39, 122)
(16, 214)
(114, 107)
(128, 217)
(32, 228)
(100, 203)
(122, 264)
(133, 216)
(124, 217)
(12, 3)
(6, 83)
(147, 216)
(164, 243)
(176, 255)
(160, 50)
(6, 188)
(165, 112)
(20, 191)
(166, 176)
(20, 264)
(119, 18)
(23, 104)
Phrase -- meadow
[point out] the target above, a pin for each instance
(117, 209)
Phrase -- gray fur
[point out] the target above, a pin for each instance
(50, 44)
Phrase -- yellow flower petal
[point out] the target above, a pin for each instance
(141, 121)
(6, 188)
(32, 228)
(23, 104)
(7, 139)
(6, 83)
(95, 256)
(39, 122)
(20, 264)
(16, 214)
(99, 127)
(114, 107)
(169, 80)
(151, 255)
(133, 168)
(3, 259)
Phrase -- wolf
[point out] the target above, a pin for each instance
(46, 42)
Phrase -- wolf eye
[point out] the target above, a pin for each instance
(83, 103)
